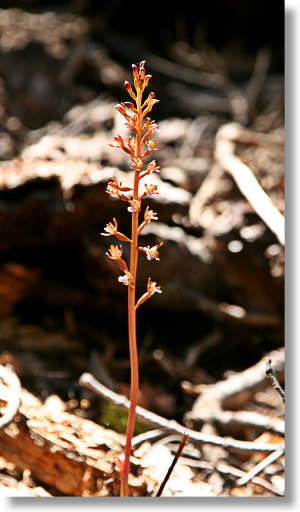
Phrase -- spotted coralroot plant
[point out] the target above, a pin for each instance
(139, 145)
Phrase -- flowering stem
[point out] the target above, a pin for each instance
(134, 388)
(134, 121)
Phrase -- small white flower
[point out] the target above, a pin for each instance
(123, 279)
(126, 278)
(151, 252)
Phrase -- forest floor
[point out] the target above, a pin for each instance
(206, 342)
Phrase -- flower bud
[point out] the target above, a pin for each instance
(129, 90)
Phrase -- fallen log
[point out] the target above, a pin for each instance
(67, 453)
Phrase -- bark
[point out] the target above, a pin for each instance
(72, 455)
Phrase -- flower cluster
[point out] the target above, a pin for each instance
(138, 146)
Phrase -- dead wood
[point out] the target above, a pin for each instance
(270, 373)
(229, 470)
(10, 392)
(155, 420)
(221, 269)
(70, 454)
(16, 282)
(11, 487)
(260, 467)
(181, 445)
(257, 80)
(62, 176)
(246, 180)
(218, 402)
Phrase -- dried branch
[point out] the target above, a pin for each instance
(150, 435)
(182, 444)
(73, 455)
(10, 393)
(229, 470)
(257, 80)
(259, 467)
(239, 387)
(270, 373)
(232, 393)
(250, 419)
(246, 181)
(157, 421)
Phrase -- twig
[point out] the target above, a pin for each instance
(182, 443)
(152, 435)
(226, 312)
(246, 181)
(157, 421)
(258, 77)
(259, 467)
(270, 373)
(251, 419)
(196, 350)
(12, 396)
(224, 469)
(184, 73)
(229, 470)
(212, 61)
(234, 391)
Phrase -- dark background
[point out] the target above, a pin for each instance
(238, 27)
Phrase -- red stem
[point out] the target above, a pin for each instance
(132, 313)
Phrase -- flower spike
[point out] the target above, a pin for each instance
(140, 143)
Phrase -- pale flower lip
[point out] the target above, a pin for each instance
(157, 290)
(112, 191)
(126, 278)
(123, 279)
